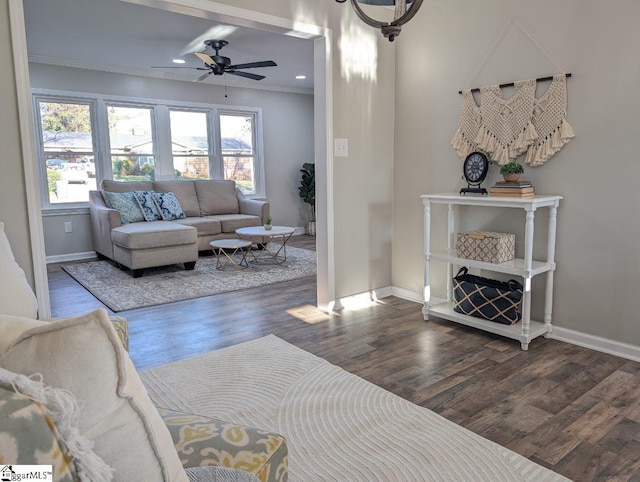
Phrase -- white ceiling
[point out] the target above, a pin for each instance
(117, 36)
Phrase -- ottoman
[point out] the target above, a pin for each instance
(158, 243)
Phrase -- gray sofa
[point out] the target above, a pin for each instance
(214, 210)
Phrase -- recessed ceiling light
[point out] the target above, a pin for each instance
(301, 77)
(178, 61)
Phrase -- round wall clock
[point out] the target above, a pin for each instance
(475, 169)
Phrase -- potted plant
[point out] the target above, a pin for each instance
(268, 223)
(511, 171)
(307, 191)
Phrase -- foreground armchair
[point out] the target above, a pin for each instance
(71, 398)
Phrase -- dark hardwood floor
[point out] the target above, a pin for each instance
(571, 409)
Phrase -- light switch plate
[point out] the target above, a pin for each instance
(341, 147)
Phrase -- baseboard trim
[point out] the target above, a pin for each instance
(65, 258)
(407, 294)
(604, 345)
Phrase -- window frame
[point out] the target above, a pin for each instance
(42, 154)
(161, 135)
(257, 144)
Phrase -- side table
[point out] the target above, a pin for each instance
(276, 252)
(226, 249)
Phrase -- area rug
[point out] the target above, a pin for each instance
(120, 291)
(337, 425)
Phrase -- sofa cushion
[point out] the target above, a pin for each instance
(16, 296)
(217, 197)
(169, 206)
(153, 235)
(185, 191)
(122, 186)
(13, 327)
(85, 356)
(38, 425)
(147, 204)
(231, 222)
(207, 226)
(127, 206)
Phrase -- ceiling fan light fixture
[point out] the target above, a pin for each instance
(301, 77)
(404, 11)
(178, 61)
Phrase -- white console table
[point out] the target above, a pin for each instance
(526, 329)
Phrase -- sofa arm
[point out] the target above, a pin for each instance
(103, 220)
(254, 207)
(202, 441)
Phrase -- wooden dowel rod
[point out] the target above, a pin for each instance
(511, 84)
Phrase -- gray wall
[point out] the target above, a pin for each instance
(598, 272)
(13, 198)
(287, 127)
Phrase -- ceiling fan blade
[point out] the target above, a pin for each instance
(175, 67)
(254, 65)
(202, 77)
(246, 75)
(205, 58)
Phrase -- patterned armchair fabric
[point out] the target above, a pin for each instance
(202, 441)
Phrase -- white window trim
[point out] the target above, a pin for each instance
(161, 136)
(36, 98)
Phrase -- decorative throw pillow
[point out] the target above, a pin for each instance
(84, 355)
(169, 206)
(38, 425)
(148, 205)
(16, 296)
(126, 204)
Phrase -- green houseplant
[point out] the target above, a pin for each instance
(268, 223)
(511, 171)
(307, 191)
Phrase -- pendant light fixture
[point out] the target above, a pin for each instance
(404, 11)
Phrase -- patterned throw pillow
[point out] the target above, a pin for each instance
(147, 204)
(126, 203)
(169, 206)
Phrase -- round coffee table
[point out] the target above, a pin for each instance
(278, 253)
(226, 249)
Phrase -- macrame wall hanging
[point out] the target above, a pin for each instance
(505, 129)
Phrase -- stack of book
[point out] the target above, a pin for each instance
(521, 189)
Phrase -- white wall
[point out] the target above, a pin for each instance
(287, 126)
(13, 200)
(598, 273)
(363, 86)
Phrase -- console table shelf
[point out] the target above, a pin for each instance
(526, 329)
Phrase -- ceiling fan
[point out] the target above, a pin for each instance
(218, 64)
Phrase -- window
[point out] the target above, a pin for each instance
(190, 144)
(237, 138)
(67, 151)
(85, 138)
(131, 143)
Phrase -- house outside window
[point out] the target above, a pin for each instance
(66, 150)
(238, 138)
(190, 144)
(131, 143)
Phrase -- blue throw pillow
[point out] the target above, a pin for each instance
(169, 206)
(126, 203)
(147, 204)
